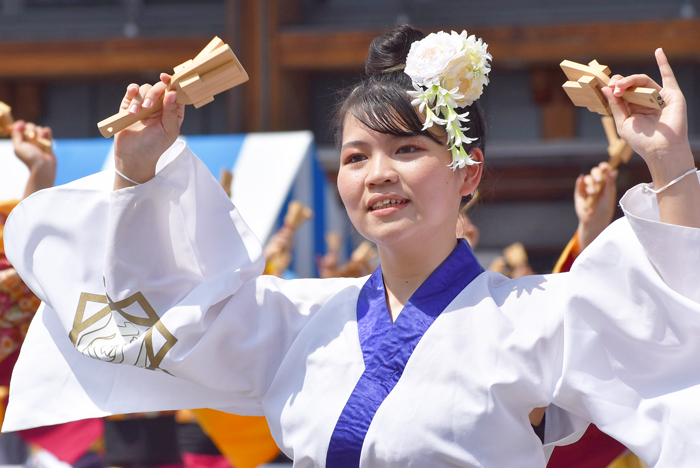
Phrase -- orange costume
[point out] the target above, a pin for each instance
(244, 440)
(18, 304)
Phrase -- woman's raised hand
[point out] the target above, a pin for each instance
(595, 198)
(138, 147)
(40, 160)
(661, 138)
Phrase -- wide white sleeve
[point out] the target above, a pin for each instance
(630, 354)
(158, 287)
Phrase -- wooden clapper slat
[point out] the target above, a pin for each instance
(6, 122)
(619, 152)
(583, 88)
(585, 82)
(214, 70)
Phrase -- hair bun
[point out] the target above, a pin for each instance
(391, 49)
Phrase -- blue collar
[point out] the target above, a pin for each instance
(387, 346)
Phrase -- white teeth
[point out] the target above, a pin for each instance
(384, 203)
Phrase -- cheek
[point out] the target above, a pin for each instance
(350, 188)
(438, 187)
(431, 177)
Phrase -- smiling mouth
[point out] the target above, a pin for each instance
(387, 204)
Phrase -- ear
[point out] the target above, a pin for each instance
(471, 175)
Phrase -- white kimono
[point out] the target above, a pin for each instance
(165, 277)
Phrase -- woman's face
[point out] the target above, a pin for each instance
(400, 190)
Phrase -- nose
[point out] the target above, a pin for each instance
(381, 171)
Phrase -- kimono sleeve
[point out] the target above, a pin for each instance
(632, 335)
(158, 287)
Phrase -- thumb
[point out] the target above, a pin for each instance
(617, 107)
(611, 183)
(173, 113)
(17, 132)
(580, 192)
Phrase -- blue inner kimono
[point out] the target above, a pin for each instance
(388, 346)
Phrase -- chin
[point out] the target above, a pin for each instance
(389, 235)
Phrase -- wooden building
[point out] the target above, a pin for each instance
(66, 63)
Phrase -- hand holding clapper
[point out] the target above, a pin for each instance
(214, 70)
(585, 81)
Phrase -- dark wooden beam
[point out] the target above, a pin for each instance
(289, 88)
(96, 58)
(513, 47)
(24, 97)
(324, 50)
(290, 12)
(27, 101)
(251, 20)
(537, 183)
(558, 115)
(234, 97)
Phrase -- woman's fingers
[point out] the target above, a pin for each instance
(590, 184)
(580, 187)
(30, 130)
(131, 91)
(610, 177)
(154, 94)
(621, 84)
(667, 77)
(617, 107)
(137, 100)
(582, 196)
(642, 110)
(18, 132)
(145, 95)
(601, 171)
(173, 113)
(46, 132)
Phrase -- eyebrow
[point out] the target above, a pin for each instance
(354, 143)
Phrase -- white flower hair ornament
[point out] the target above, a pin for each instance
(448, 71)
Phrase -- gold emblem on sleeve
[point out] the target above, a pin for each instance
(103, 337)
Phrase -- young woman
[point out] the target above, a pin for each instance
(428, 362)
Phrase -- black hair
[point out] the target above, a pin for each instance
(380, 100)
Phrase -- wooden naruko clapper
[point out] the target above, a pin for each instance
(214, 70)
(585, 82)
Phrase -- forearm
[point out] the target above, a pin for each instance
(138, 148)
(41, 176)
(661, 138)
(587, 232)
(679, 204)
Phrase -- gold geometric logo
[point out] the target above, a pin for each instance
(152, 322)
(79, 325)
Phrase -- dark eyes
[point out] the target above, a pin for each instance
(408, 149)
(354, 158)
(359, 157)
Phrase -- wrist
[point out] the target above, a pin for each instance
(582, 235)
(586, 233)
(44, 169)
(134, 173)
(666, 167)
